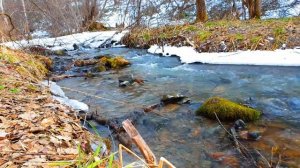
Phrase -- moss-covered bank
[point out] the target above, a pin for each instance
(227, 110)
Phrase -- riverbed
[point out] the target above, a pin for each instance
(177, 133)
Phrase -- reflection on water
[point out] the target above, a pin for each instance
(180, 136)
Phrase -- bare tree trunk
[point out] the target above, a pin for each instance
(234, 10)
(257, 9)
(201, 11)
(90, 12)
(3, 11)
(254, 8)
(26, 26)
(138, 17)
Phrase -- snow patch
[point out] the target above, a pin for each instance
(288, 57)
(59, 95)
(54, 88)
(74, 104)
(87, 39)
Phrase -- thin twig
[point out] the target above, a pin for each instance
(263, 158)
(112, 139)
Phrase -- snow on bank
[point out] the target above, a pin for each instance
(86, 39)
(59, 95)
(288, 57)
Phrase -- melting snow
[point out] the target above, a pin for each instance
(86, 39)
(288, 57)
(59, 95)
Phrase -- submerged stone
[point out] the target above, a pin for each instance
(125, 80)
(61, 52)
(227, 110)
(177, 98)
(80, 62)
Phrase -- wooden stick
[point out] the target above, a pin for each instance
(140, 143)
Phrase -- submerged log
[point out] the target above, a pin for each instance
(140, 143)
(115, 124)
(56, 78)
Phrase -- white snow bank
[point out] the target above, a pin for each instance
(288, 57)
(74, 104)
(54, 88)
(59, 95)
(87, 39)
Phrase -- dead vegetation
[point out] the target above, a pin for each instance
(35, 130)
(206, 37)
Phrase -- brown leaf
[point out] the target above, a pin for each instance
(28, 115)
(46, 122)
(2, 134)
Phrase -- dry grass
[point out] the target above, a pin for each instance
(17, 64)
(238, 35)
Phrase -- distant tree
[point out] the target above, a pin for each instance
(254, 8)
(201, 11)
(90, 12)
(139, 14)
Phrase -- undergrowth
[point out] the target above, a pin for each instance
(238, 35)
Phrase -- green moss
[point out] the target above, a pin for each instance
(227, 110)
(106, 63)
(191, 28)
(60, 52)
(146, 36)
(15, 90)
(204, 35)
(2, 87)
(101, 68)
(239, 36)
(163, 35)
(32, 88)
(212, 24)
(9, 58)
(255, 39)
(279, 31)
(118, 62)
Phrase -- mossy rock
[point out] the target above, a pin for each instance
(118, 62)
(227, 110)
(101, 68)
(113, 62)
(61, 52)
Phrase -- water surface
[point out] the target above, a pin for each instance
(177, 134)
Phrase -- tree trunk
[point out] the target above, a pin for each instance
(26, 27)
(254, 8)
(2, 11)
(201, 11)
(90, 12)
(138, 16)
(257, 9)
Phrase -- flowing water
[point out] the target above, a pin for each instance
(180, 136)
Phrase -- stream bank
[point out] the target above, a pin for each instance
(36, 130)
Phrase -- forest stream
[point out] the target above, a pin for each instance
(177, 133)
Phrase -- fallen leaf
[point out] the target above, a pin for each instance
(28, 115)
(47, 122)
(2, 134)
(38, 161)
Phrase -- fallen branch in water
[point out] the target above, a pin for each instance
(56, 78)
(240, 147)
(140, 143)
